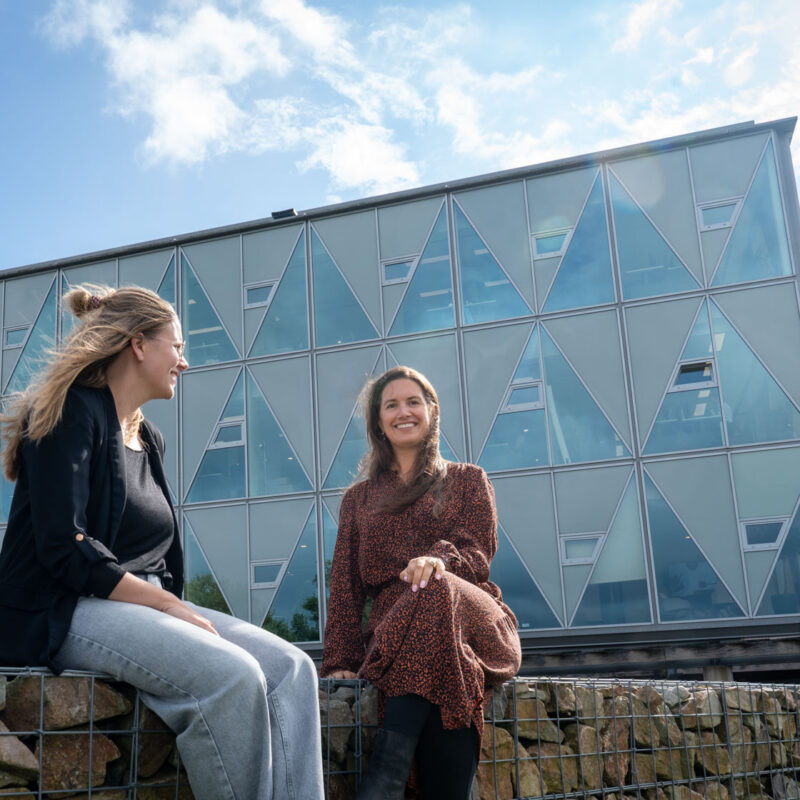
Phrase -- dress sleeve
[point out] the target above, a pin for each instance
(344, 644)
(473, 542)
(58, 471)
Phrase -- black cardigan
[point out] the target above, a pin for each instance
(67, 506)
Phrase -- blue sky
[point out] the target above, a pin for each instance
(128, 121)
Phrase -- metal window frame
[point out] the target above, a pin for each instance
(776, 545)
(228, 423)
(11, 329)
(390, 262)
(704, 384)
(284, 563)
(564, 538)
(507, 407)
(702, 226)
(273, 286)
(567, 233)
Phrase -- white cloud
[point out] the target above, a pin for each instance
(644, 16)
(740, 68)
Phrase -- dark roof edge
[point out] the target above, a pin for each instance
(786, 125)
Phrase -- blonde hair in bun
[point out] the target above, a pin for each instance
(108, 319)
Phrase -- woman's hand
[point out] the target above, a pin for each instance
(180, 610)
(419, 571)
(342, 675)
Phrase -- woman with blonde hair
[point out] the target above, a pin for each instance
(417, 534)
(91, 568)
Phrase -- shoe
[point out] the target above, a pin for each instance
(389, 766)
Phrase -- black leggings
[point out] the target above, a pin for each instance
(446, 759)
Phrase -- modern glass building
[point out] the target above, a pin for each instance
(614, 337)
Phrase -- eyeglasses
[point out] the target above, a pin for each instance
(180, 347)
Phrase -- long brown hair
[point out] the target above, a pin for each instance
(109, 318)
(429, 470)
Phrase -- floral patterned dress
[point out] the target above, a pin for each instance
(449, 642)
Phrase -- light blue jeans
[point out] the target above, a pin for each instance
(244, 705)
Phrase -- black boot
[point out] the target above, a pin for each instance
(389, 766)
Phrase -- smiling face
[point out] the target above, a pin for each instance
(405, 416)
(163, 360)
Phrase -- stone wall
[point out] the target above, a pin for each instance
(579, 738)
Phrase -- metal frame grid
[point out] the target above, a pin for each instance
(128, 731)
(646, 739)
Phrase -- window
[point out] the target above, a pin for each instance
(259, 294)
(694, 375)
(718, 215)
(763, 534)
(397, 271)
(580, 549)
(548, 245)
(228, 434)
(524, 396)
(15, 337)
(267, 573)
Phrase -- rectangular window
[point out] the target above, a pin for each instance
(580, 549)
(548, 245)
(694, 375)
(763, 534)
(258, 295)
(267, 573)
(15, 336)
(228, 434)
(719, 215)
(524, 396)
(397, 271)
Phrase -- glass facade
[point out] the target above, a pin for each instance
(617, 344)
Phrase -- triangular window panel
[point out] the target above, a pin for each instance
(579, 431)
(201, 587)
(518, 439)
(294, 613)
(584, 277)
(329, 532)
(756, 408)
(648, 265)
(338, 316)
(782, 595)
(487, 293)
(207, 341)
(285, 325)
(166, 289)
(273, 466)
(344, 468)
(445, 451)
(617, 590)
(40, 340)
(757, 247)
(428, 301)
(221, 472)
(6, 495)
(690, 419)
(687, 586)
(520, 591)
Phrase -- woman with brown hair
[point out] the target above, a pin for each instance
(417, 535)
(91, 568)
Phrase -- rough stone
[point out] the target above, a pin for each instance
(149, 789)
(741, 697)
(15, 758)
(3, 683)
(530, 690)
(743, 752)
(156, 742)
(534, 723)
(702, 711)
(558, 767)
(712, 790)
(654, 794)
(7, 779)
(562, 701)
(750, 788)
(339, 715)
(615, 738)
(590, 702)
(712, 755)
(530, 781)
(21, 793)
(65, 760)
(583, 739)
(497, 743)
(787, 698)
(497, 705)
(102, 794)
(341, 787)
(785, 788)
(682, 793)
(67, 703)
(675, 695)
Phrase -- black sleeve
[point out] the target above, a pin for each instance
(58, 468)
